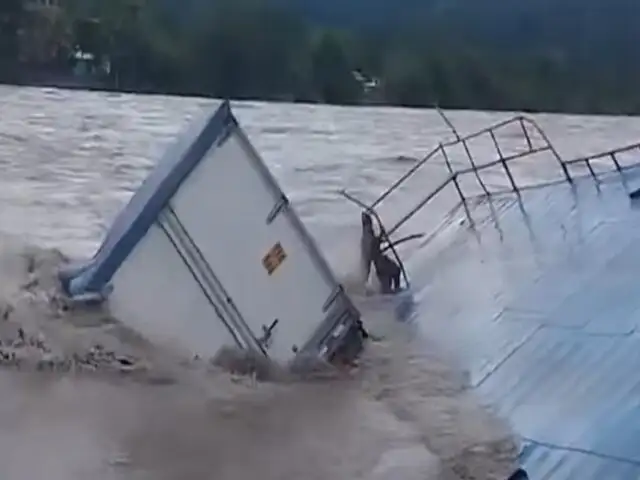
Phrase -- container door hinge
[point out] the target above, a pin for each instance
(282, 203)
(267, 334)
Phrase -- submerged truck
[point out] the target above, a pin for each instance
(209, 253)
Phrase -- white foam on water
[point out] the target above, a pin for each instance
(85, 397)
(345, 258)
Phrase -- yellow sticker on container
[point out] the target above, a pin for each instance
(274, 258)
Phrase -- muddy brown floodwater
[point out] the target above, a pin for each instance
(83, 397)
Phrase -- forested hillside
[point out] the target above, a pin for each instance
(560, 55)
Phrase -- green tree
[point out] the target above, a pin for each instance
(443, 55)
(11, 19)
(332, 73)
(89, 36)
(405, 81)
(250, 49)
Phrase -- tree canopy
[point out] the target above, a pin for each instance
(11, 15)
(552, 55)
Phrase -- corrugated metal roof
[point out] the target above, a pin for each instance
(542, 304)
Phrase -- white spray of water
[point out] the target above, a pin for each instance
(345, 257)
(348, 262)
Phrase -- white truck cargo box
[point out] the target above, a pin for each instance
(209, 253)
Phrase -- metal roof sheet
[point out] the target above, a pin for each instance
(542, 304)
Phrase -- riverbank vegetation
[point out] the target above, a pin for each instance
(267, 49)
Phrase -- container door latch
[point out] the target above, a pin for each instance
(267, 334)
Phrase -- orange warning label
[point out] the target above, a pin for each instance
(274, 258)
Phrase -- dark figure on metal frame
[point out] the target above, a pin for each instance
(387, 271)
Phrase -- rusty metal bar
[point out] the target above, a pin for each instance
(504, 162)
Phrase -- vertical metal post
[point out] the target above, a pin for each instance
(504, 163)
(474, 167)
(526, 134)
(466, 149)
(615, 161)
(565, 169)
(404, 177)
(385, 235)
(496, 144)
(448, 122)
(454, 178)
(563, 165)
(419, 206)
(591, 171)
(446, 158)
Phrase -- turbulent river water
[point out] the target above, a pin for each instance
(84, 397)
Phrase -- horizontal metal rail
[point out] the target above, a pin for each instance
(454, 174)
(474, 168)
(453, 177)
(609, 153)
(547, 141)
(464, 140)
(422, 203)
(406, 176)
(612, 154)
